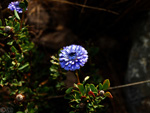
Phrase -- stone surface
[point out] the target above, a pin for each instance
(57, 39)
(70, 79)
(138, 96)
(49, 23)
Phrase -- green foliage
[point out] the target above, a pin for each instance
(87, 98)
(16, 50)
(56, 73)
(15, 60)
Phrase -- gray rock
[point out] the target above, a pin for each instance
(138, 97)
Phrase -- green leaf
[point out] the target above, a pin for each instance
(87, 88)
(10, 43)
(13, 49)
(6, 21)
(106, 84)
(24, 66)
(1, 83)
(19, 112)
(108, 94)
(75, 85)
(91, 109)
(93, 88)
(77, 95)
(95, 106)
(7, 56)
(100, 106)
(13, 63)
(69, 90)
(20, 83)
(81, 88)
(4, 78)
(100, 86)
(17, 26)
(16, 14)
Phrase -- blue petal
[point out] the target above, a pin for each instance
(70, 61)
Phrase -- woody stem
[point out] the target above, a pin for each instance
(77, 75)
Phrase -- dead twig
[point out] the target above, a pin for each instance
(82, 10)
(85, 6)
(130, 84)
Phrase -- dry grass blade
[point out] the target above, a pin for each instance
(85, 6)
(131, 84)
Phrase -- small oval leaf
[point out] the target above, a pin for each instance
(69, 90)
(106, 84)
(100, 86)
(81, 88)
(108, 94)
(93, 88)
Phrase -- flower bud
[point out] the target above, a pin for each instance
(8, 29)
(101, 92)
(20, 97)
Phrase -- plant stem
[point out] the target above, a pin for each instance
(77, 75)
(22, 19)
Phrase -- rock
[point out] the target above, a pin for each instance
(49, 21)
(57, 39)
(138, 96)
(37, 15)
(70, 79)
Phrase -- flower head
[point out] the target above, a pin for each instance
(15, 6)
(72, 57)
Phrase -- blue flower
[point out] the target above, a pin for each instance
(73, 57)
(15, 6)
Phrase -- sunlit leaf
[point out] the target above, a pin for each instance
(69, 90)
(100, 86)
(81, 88)
(93, 88)
(108, 94)
(10, 43)
(13, 49)
(106, 84)
(24, 66)
(16, 14)
(17, 26)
